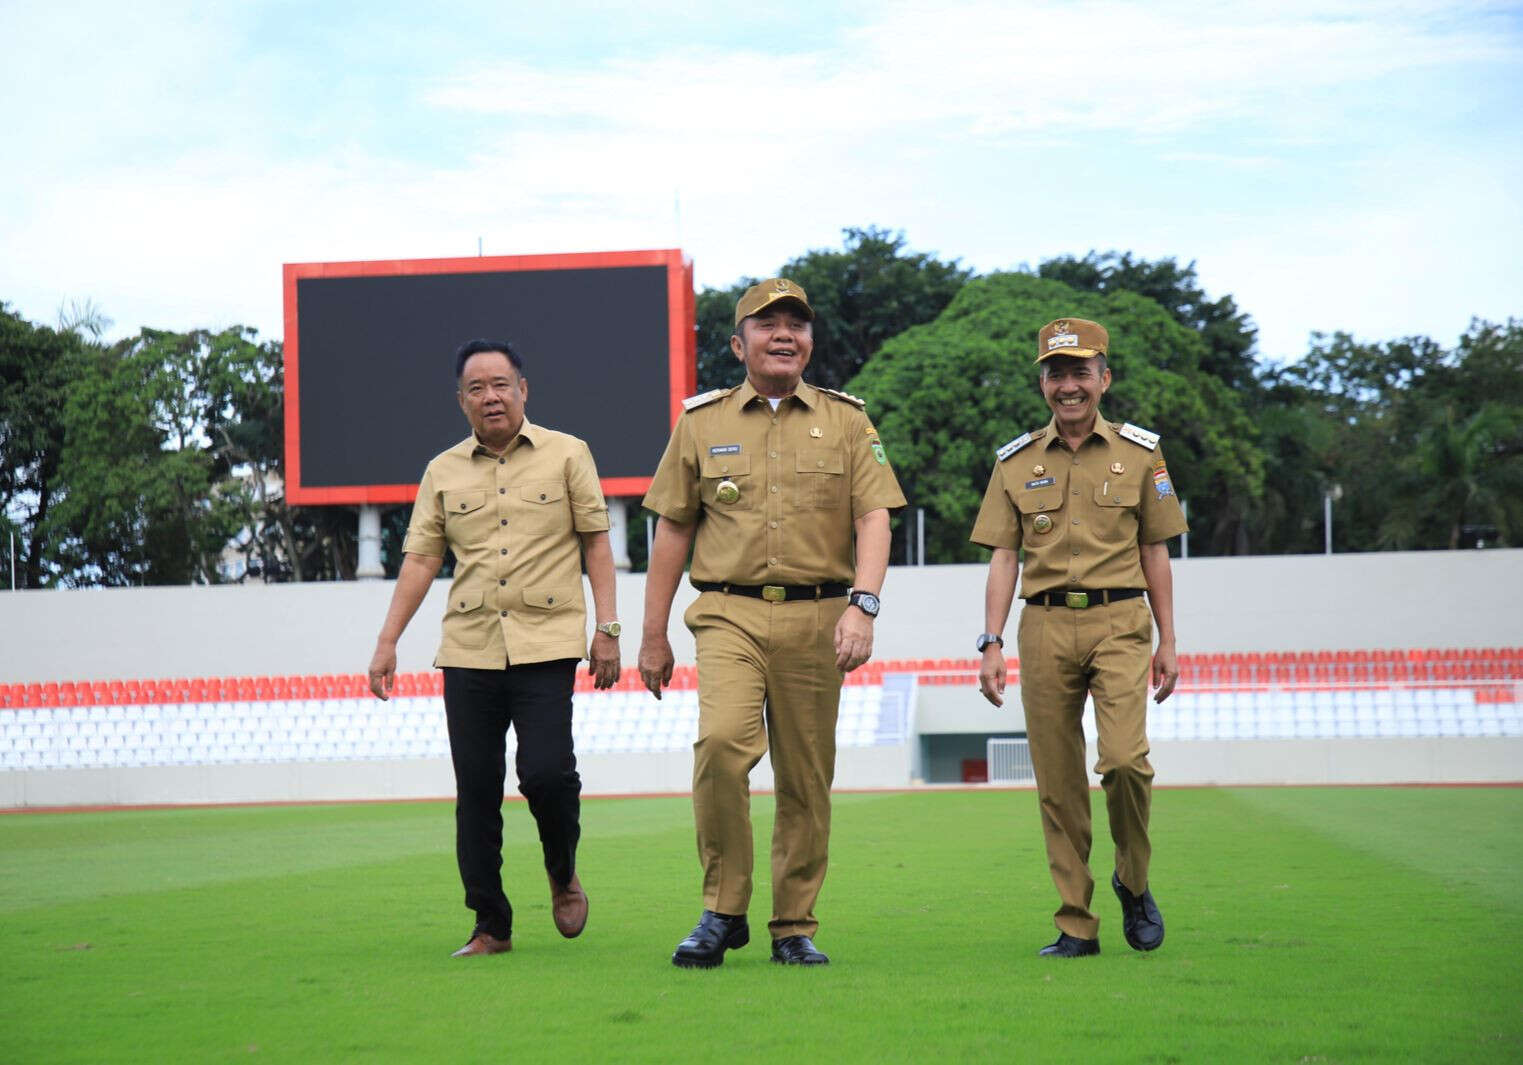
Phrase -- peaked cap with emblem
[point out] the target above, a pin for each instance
(764, 294)
(1071, 336)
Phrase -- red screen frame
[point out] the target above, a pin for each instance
(682, 347)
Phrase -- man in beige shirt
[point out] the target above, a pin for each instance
(520, 507)
(783, 491)
(1092, 505)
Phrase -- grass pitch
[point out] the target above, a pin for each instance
(1304, 925)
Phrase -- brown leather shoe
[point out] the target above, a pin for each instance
(568, 906)
(482, 943)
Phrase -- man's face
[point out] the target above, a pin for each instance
(1072, 388)
(775, 345)
(492, 395)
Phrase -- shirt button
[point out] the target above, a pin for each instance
(505, 521)
(542, 497)
(501, 462)
(1118, 499)
(504, 551)
(1073, 580)
(502, 582)
(1076, 491)
(1076, 550)
(771, 524)
(771, 561)
(820, 463)
(1076, 521)
(773, 488)
(504, 613)
(772, 454)
(502, 491)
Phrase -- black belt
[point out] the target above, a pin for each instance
(775, 593)
(1080, 598)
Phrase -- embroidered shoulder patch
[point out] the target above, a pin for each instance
(1015, 445)
(704, 398)
(847, 397)
(1138, 435)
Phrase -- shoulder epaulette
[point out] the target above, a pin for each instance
(847, 396)
(1020, 442)
(705, 398)
(1137, 434)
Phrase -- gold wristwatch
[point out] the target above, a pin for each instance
(611, 628)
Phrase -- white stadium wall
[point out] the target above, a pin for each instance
(1405, 600)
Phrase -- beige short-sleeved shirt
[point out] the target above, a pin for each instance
(1080, 516)
(513, 524)
(803, 474)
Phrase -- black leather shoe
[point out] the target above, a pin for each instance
(705, 945)
(1140, 919)
(1068, 946)
(797, 950)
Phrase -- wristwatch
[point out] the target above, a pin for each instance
(985, 639)
(866, 602)
(611, 628)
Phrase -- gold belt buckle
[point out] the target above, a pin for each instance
(774, 593)
(1076, 600)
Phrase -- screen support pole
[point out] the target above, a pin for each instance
(618, 532)
(369, 562)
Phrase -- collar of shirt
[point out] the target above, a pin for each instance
(1102, 429)
(805, 393)
(528, 433)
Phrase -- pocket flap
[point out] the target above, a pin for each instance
(463, 502)
(1037, 501)
(815, 460)
(725, 465)
(1118, 496)
(465, 602)
(542, 492)
(547, 598)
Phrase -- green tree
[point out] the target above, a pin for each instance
(872, 289)
(37, 366)
(945, 395)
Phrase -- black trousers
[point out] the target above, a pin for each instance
(480, 704)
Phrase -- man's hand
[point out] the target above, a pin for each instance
(991, 674)
(656, 663)
(603, 661)
(854, 639)
(383, 669)
(1165, 671)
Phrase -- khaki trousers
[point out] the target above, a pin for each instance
(1105, 651)
(766, 678)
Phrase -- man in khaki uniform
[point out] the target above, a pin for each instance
(769, 482)
(1092, 505)
(520, 506)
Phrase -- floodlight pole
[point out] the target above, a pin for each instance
(369, 562)
(1184, 539)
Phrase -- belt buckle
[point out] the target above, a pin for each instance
(774, 593)
(1076, 600)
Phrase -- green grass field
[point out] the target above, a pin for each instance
(1304, 925)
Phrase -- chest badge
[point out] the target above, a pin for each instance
(814, 431)
(1117, 467)
(1038, 470)
(727, 492)
(1041, 523)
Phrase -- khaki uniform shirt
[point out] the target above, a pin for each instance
(1094, 516)
(804, 473)
(512, 523)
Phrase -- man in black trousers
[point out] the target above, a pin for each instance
(521, 507)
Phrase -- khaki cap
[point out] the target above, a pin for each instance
(1071, 336)
(763, 294)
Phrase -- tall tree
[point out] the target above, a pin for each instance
(37, 367)
(872, 289)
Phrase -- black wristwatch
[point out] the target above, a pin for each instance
(866, 602)
(985, 639)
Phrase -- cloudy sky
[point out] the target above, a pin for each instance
(1332, 165)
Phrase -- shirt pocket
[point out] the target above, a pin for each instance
(467, 520)
(715, 470)
(542, 507)
(468, 622)
(551, 614)
(820, 479)
(1040, 511)
(1116, 510)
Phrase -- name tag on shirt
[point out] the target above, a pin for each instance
(1043, 483)
(725, 449)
